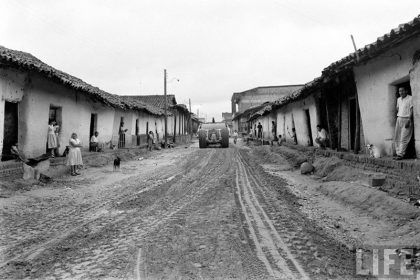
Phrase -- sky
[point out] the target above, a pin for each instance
(213, 47)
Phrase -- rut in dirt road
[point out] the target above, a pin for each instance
(270, 247)
(301, 248)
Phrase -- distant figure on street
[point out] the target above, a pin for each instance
(51, 138)
(321, 137)
(235, 136)
(404, 125)
(255, 130)
(150, 140)
(259, 130)
(74, 157)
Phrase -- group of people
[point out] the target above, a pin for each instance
(403, 132)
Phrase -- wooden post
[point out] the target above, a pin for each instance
(357, 133)
(328, 123)
(339, 120)
(166, 109)
(174, 128)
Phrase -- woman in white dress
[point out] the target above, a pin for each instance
(74, 157)
(51, 138)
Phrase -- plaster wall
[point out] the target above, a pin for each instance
(76, 110)
(375, 81)
(293, 115)
(12, 89)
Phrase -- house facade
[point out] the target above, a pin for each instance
(355, 98)
(34, 93)
(178, 120)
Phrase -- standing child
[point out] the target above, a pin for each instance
(74, 157)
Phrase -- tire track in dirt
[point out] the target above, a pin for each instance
(322, 257)
(270, 246)
(132, 226)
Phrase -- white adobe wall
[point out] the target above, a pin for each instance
(12, 89)
(76, 115)
(295, 113)
(375, 82)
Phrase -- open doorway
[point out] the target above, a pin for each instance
(55, 114)
(352, 122)
(10, 136)
(93, 124)
(137, 132)
(308, 126)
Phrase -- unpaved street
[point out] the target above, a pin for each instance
(182, 213)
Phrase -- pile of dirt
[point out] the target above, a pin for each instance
(371, 201)
(294, 157)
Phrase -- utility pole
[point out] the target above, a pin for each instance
(166, 109)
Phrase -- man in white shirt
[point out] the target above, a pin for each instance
(321, 136)
(95, 145)
(404, 124)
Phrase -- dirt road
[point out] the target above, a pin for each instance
(182, 213)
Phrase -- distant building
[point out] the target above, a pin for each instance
(178, 116)
(244, 100)
(252, 98)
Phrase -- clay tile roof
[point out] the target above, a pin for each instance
(392, 39)
(27, 62)
(133, 103)
(155, 100)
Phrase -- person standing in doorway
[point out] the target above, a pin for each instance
(259, 130)
(122, 131)
(255, 129)
(51, 138)
(74, 157)
(404, 125)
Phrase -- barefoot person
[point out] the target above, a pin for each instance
(74, 157)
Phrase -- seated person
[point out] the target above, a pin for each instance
(95, 145)
(14, 150)
(321, 137)
(280, 140)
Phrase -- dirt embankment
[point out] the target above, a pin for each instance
(339, 197)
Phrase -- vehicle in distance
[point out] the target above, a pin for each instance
(213, 134)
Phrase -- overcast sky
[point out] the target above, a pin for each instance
(214, 47)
